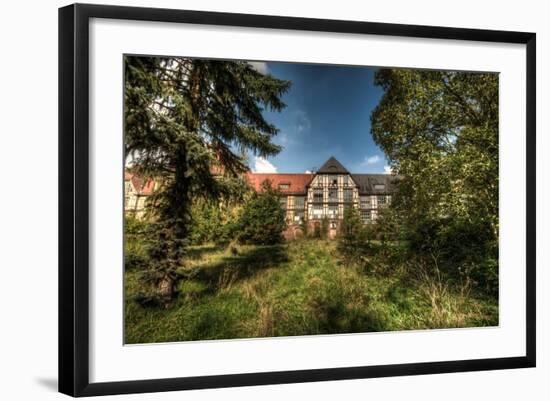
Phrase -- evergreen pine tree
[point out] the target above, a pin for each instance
(184, 116)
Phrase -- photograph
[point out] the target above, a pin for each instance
(276, 199)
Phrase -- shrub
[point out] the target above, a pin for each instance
(465, 250)
(304, 227)
(353, 242)
(135, 227)
(135, 256)
(324, 228)
(316, 231)
(320, 229)
(212, 222)
(262, 220)
(135, 248)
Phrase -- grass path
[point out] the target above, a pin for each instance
(299, 288)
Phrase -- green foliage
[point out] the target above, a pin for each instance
(213, 222)
(320, 229)
(183, 117)
(387, 226)
(135, 248)
(135, 227)
(298, 288)
(207, 223)
(324, 227)
(353, 241)
(316, 230)
(262, 220)
(305, 228)
(135, 256)
(439, 130)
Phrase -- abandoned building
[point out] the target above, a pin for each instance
(307, 198)
(136, 191)
(310, 197)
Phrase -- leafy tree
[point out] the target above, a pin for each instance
(184, 120)
(439, 129)
(215, 221)
(207, 222)
(263, 219)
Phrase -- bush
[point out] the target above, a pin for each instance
(316, 231)
(135, 248)
(262, 220)
(320, 229)
(324, 228)
(214, 222)
(353, 242)
(465, 250)
(305, 229)
(135, 256)
(134, 227)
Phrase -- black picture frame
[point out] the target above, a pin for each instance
(74, 198)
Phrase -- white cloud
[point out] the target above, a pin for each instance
(371, 160)
(262, 165)
(302, 121)
(283, 138)
(308, 172)
(387, 170)
(259, 66)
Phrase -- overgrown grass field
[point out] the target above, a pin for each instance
(297, 288)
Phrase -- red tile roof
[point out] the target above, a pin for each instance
(141, 185)
(297, 182)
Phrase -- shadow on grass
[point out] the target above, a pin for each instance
(338, 320)
(233, 268)
(200, 251)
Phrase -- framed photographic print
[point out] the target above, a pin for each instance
(249, 199)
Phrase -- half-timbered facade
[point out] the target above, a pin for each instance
(311, 197)
(136, 191)
(306, 198)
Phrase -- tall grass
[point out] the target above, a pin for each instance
(297, 288)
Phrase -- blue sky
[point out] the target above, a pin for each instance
(327, 114)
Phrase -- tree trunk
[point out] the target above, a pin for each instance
(166, 287)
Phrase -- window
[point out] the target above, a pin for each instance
(282, 201)
(379, 186)
(348, 195)
(333, 225)
(381, 199)
(333, 195)
(365, 216)
(317, 211)
(345, 180)
(333, 211)
(317, 195)
(284, 185)
(299, 216)
(334, 182)
(299, 202)
(365, 202)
